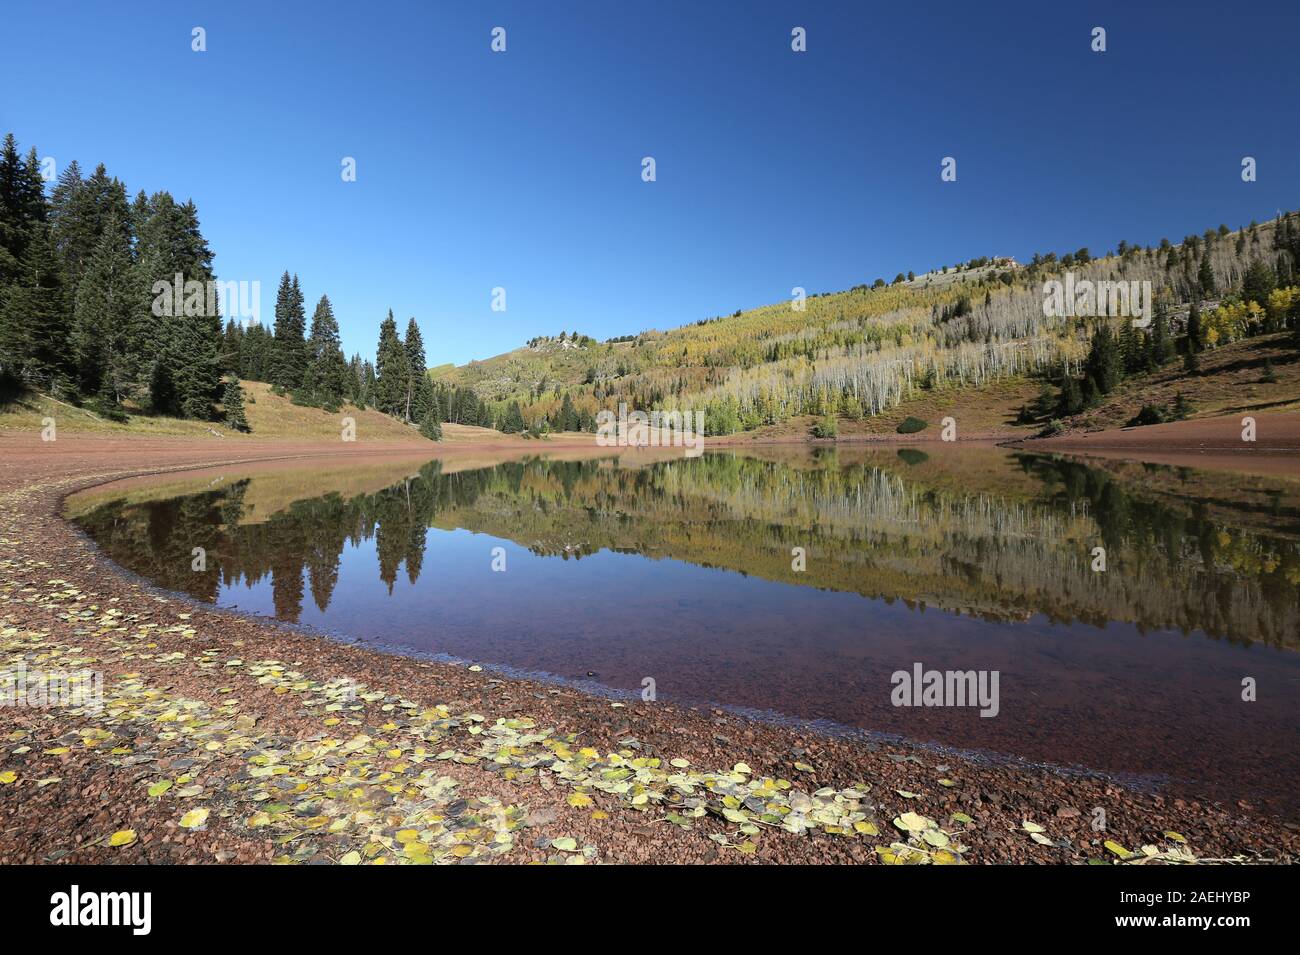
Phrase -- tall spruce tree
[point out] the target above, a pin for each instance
(325, 381)
(185, 341)
(430, 425)
(392, 370)
(1195, 336)
(1105, 364)
(1162, 344)
(513, 421)
(1259, 280)
(568, 419)
(418, 387)
(1205, 276)
(22, 215)
(81, 216)
(102, 317)
(232, 405)
(290, 341)
(35, 339)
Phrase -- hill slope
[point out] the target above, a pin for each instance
(868, 351)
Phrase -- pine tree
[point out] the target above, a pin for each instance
(1071, 402)
(197, 364)
(22, 203)
(1104, 365)
(430, 426)
(369, 385)
(1260, 279)
(417, 396)
(1205, 277)
(290, 344)
(23, 212)
(232, 403)
(81, 214)
(325, 381)
(1195, 341)
(1162, 345)
(231, 341)
(392, 369)
(105, 302)
(187, 343)
(568, 420)
(35, 344)
(513, 422)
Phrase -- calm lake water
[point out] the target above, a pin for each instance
(643, 565)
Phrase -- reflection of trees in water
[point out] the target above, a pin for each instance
(872, 529)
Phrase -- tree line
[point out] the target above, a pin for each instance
(78, 270)
(82, 318)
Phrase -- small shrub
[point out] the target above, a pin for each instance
(107, 408)
(826, 428)
(1150, 414)
(910, 425)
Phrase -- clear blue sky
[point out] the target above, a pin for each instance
(775, 169)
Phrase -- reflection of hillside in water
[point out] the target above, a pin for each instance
(995, 534)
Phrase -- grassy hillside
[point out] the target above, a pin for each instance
(270, 416)
(870, 351)
(1249, 376)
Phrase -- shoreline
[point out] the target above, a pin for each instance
(41, 547)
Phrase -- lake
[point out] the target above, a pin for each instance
(794, 583)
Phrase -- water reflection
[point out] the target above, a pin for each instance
(645, 564)
(892, 525)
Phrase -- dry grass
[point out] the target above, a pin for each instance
(1230, 382)
(270, 416)
(985, 412)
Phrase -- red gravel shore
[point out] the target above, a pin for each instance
(68, 796)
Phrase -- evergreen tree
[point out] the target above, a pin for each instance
(392, 370)
(369, 385)
(103, 316)
(1071, 402)
(430, 426)
(232, 403)
(81, 214)
(1162, 345)
(1195, 339)
(186, 342)
(22, 202)
(197, 364)
(1205, 277)
(290, 343)
(568, 420)
(513, 422)
(1260, 279)
(1104, 366)
(231, 341)
(35, 344)
(418, 393)
(326, 379)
